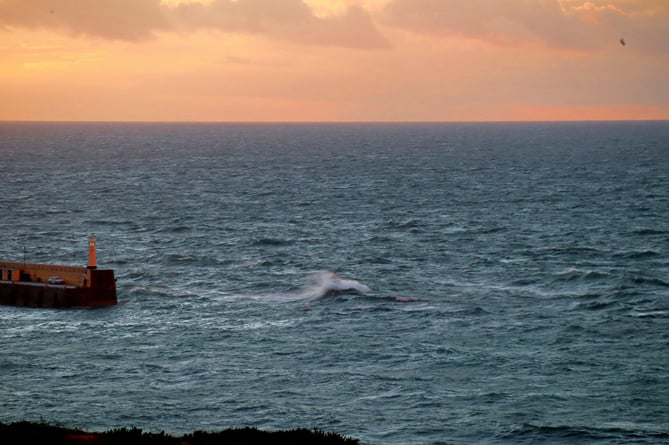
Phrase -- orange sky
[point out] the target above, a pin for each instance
(339, 60)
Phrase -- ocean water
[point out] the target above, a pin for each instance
(395, 283)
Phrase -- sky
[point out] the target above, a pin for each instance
(336, 60)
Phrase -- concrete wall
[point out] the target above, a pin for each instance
(73, 275)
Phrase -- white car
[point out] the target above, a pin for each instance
(56, 280)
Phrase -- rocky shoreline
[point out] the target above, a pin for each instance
(34, 432)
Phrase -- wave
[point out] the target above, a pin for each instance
(571, 250)
(611, 433)
(411, 224)
(323, 284)
(638, 254)
(265, 241)
(160, 291)
(318, 285)
(648, 231)
(639, 280)
(652, 314)
(573, 273)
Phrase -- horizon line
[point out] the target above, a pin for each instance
(296, 122)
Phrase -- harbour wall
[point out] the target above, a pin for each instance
(40, 273)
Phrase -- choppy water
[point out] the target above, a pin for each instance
(497, 282)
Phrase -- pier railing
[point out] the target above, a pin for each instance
(18, 265)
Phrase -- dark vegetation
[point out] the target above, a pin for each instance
(41, 433)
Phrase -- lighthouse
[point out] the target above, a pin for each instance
(92, 262)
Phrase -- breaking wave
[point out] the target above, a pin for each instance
(323, 284)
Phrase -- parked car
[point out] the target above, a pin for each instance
(56, 280)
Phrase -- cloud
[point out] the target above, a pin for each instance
(565, 24)
(107, 19)
(643, 23)
(289, 20)
(499, 22)
(135, 20)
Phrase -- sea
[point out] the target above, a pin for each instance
(395, 283)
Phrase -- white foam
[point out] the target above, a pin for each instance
(326, 283)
